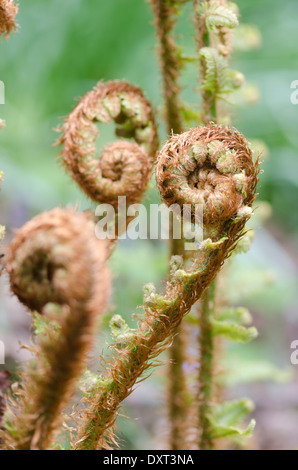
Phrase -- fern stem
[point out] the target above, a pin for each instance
(206, 368)
(203, 40)
(170, 68)
(164, 14)
(205, 338)
(177, 401)
(177, 390)
(214, 22)
(206, 347)
(127, 366)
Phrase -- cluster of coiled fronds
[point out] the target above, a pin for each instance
(57, 267)
(164, 312)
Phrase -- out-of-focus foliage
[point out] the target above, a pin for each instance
(62, 49)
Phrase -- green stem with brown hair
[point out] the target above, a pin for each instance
(208, 103)
(206, 367)
(204, 311)
(165, 14)
(223, 154)
(126, 366)
(214, 22)
(177, 390)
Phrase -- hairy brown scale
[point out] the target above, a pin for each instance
(209, 166)
(8, 11)
(124, 167)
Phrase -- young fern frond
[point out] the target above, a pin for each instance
(216, 74)
(233, 331)
(184, 287)
(123, 168)
(227, 417)
(120, 330)
(232, 412)
(8, 12)
(239, 315)
(218, 19)
(218, 16)
(58, 270)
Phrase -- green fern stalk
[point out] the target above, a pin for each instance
(165, 14)
(206, 367)
(214, 22)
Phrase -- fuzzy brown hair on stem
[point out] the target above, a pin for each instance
(57, 268)
(164, 313)
(8, 11)
(124, 167)
(165, 14)
(4, 386)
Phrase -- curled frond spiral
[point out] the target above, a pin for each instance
(209, 166)
(8, 11)
(124, 168)
(57, 268)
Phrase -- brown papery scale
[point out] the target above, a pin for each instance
(209, 166)
(8, 11)
(57, 268)
(124, 167)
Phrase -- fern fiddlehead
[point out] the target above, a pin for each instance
(124, 168)
(163, 313)
(208, 166)
(8, 11)
(214, 24)
(58, 270)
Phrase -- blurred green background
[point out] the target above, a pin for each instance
(62, 49)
